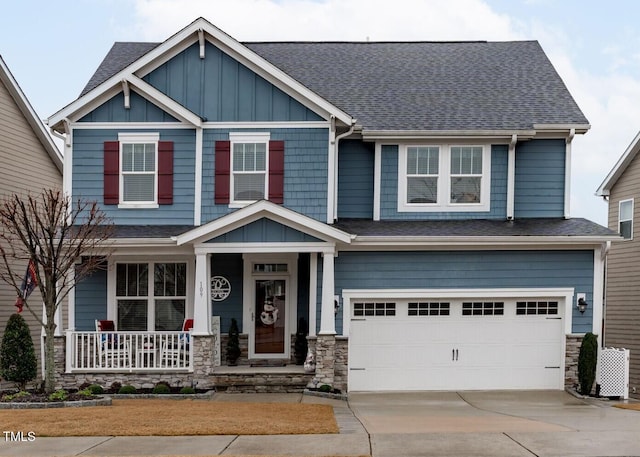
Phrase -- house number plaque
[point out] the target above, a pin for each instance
(220, 288)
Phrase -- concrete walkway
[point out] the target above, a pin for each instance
(523, 423)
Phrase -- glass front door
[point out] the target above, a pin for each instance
(269, 316)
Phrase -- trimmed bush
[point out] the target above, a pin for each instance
(187, 390)
(18, 361)
(96, 389)
(587, 360)
(233, 343)
(127, 390)
(161, 388)
(325, 388)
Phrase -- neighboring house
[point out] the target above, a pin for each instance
(621, 188)
(409, 200)
(29, 162)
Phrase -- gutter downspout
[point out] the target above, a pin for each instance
(567, 175)
(336, 141)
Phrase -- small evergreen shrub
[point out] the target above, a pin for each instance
(85, 392)
(187, 390)
(95, 389)
(587, 360)
(161, 388)
(325, 388)
(11, 397)
(233, 343)
(59, 395)
(18, 361)
(127, 389)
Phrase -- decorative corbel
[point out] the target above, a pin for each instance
(202, 42)
(126, 92)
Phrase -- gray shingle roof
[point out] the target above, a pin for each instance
(414, 85)
(149, 231)
(476, 228)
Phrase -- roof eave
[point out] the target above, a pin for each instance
(620, 167)
(449, 241)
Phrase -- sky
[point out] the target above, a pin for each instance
(53, 47)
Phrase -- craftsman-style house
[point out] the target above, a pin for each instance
(408, 200)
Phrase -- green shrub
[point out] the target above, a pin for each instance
(187, 390)
(59, 395)
(233, 343)
(85, 392)
(11, 397)
(325, 388)
(161, 388)
(127, 389)
(18, 361)
(587, 360)
(96, 389)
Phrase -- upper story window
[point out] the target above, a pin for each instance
(249, 172)
(444, 178)
(138, 171)
(625, 219)
(249, 167)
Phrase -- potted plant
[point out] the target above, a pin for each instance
(233, 344)
(301, 345)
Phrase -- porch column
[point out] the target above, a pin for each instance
(327, 318)
(201, 298)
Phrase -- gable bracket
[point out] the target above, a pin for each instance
(201, 41)
(127, 94)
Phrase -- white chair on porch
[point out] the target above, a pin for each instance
(175, 350)
(113, 352)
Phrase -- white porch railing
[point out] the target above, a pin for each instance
(129, 351)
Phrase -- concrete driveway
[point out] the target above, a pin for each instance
(505, 423)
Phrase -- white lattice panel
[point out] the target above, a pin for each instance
(614, 373)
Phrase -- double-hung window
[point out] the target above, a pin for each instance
(443, 177)
(139, 165)
(625, 219)
(249, 174)
(150, 296)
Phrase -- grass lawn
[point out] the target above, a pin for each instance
(152, 417)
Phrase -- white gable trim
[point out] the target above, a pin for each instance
(217, 37)
(620, 167)
(259, 210)
(30, 115)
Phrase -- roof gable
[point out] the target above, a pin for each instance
(105, 83)
(619, 168)
(28, 112)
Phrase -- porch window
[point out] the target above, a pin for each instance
(159, 298)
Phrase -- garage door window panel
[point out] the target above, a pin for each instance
(528, 308)
(371, 309)
(428, 309)
(483, 308)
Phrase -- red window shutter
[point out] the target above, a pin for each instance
(111, 173)
(222, 172)
(276, 171)
(165, 172)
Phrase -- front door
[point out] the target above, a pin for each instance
(269, 314)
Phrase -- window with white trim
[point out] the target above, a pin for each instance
(625, 219)
(249, 168)
(138, 168)
(158, 298)
(444, 177)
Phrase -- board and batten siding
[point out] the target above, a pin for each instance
(220, 89)
(140, 110)
(25, 167)
(88, 176)
(540, 178)
(305, 171)
(466, 270)
(389, 190)
(622, 311)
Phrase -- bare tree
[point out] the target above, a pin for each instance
(59, 237)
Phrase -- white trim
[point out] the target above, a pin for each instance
(137, 138)
(511, 177)
(313, 293)
(130, 126)
(263, 248)
(444, 182)
(598, 290)
(620, 220)
(205, 125)
(377, 180)
(164, 102)
(492, 136)
(248, 137)
(619, 168)
(67, 175)
(258, 210)
(332, 174)
(448, 242)
(327, 317)
(567, 174)
(566, 293)
(197, 200)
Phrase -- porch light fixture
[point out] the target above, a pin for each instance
(582, 305)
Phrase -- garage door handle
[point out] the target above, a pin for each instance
(357, 369)
(453, 354)
(456, 355)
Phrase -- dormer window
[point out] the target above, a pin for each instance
(443, 177)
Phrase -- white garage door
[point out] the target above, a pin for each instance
(456, 345)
